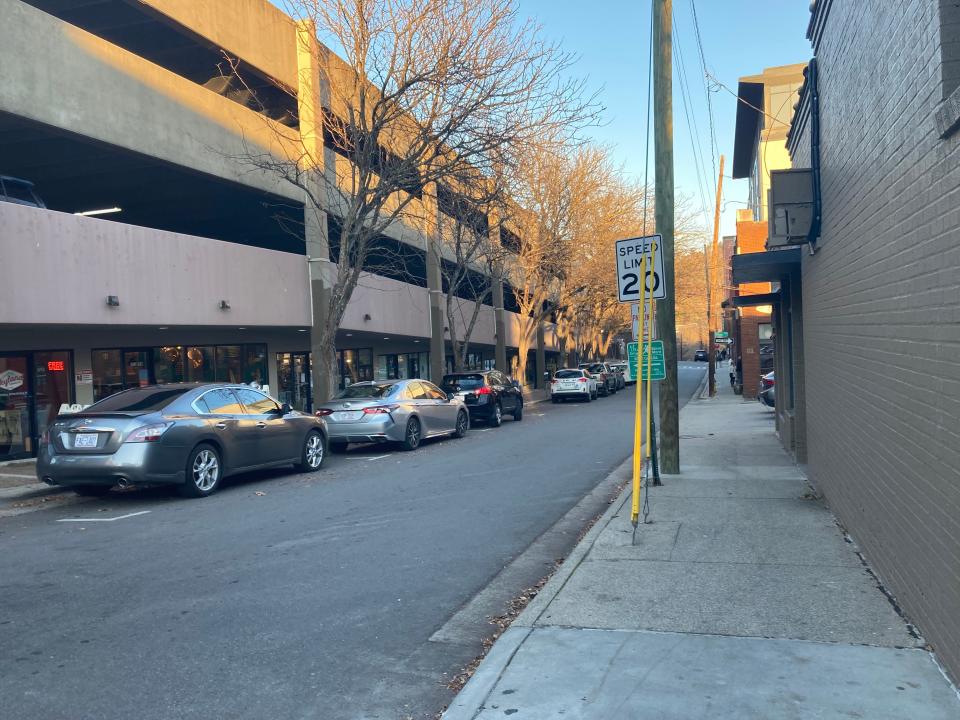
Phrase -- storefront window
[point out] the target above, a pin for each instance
(53, 386)
(107, 378)
(255, 364)
(136, 368)
(168, 364)
(200, 365)
(388, 367)
(229, 364)
(355, 366)
(15, 404)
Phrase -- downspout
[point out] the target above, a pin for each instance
(814, 233)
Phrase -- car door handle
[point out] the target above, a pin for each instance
(261, 424)
(221, 426)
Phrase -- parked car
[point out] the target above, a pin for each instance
(606, 382)
(622, 369)
(15, 190)
(767, 394)
(574, 383)
(190, 435)
(701, 356)
(488, 395)
(618, 371)
(400, 411)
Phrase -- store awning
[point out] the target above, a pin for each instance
(771, 298)
(767, 266)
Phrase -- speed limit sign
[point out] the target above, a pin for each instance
(631, 282)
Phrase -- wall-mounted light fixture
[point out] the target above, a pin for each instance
(366, 317)
(113, 301)
(224, 305)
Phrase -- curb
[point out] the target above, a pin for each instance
(469, 702)
(25, 492)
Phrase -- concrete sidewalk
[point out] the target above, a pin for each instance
(741, 599)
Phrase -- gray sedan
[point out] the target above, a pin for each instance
(187, 434)
(402, 411)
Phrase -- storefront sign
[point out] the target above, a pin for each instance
(55, 366)
(83, 377)
(10, 380)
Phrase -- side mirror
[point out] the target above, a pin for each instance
(516, 384)
(285, 408)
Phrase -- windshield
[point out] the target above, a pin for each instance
(598, 368)
(146, 399)
(373, 390)
(567, 374)
(464, 382)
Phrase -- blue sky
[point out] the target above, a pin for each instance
(611, 38)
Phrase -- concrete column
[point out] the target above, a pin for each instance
(541, 357)
(500, 327)
(799, 378)
(310, 93)
(438, 345)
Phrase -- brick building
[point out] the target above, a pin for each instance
(868, 314)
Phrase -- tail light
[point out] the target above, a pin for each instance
(483, 391)
(581, 379)
(379, 410)
(553, 382)
(149, 433)
(45, 438)
(323, 412)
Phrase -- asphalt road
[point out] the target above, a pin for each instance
(284, 595)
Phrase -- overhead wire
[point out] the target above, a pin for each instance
(700, 165)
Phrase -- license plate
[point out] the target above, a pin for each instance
(346, 416)
(86, 440)
(568, 385)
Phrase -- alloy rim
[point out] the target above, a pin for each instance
(413, 433)
(498, 413)
(461, 423)
(314, 451)
(206, 470)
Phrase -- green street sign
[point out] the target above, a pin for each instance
(722, 334)
(658, 369)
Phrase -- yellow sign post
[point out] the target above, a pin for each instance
(638, 414)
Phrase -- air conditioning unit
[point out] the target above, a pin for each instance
(789, 207)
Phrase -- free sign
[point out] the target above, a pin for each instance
(630, 254)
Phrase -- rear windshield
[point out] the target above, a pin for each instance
(464, 382)
(597, 368)
(567, 374)
(366, 391)
(145, 399)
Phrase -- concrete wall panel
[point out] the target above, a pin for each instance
(60, 268)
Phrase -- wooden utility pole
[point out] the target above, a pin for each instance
(663, 149)
(713, 286)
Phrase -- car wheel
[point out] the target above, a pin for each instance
(91, 490)
(463, 424)
(337, 448)
(496, 418)
(413, 434)
(204, 471)
(313, 453)
(518, 413)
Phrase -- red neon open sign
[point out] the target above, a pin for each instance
(55, 366)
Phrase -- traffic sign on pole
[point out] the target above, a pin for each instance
(658, 369)
(630, 254)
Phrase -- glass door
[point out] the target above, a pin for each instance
(293, 374)
(16, 402)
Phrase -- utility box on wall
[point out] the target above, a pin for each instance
(790, 207)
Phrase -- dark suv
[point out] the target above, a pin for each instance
(489, 395)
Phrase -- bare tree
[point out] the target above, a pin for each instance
(424, 90)
(472, 257)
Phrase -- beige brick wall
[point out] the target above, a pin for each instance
(881, 304)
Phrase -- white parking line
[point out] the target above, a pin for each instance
(119, 517)
(362, 457)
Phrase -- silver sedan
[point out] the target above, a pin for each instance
(402, 411)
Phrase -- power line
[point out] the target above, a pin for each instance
(714, 148)
(687, 98)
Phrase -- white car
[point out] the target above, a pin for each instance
(573, 383)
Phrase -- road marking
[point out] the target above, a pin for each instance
(119, 517)
(17, 475)
(361, 457)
